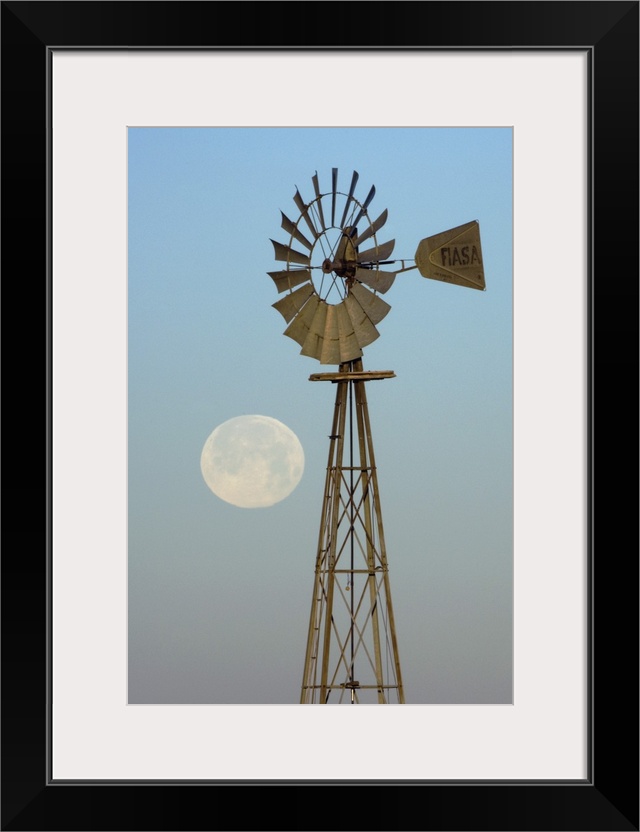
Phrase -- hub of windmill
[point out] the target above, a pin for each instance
(343, 268)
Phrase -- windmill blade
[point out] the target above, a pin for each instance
(312, 345)
(354, 180)
(363, 327)
(290, 255)
(375, 279)
(373, 305)
(304, 212)
(290, 228)
(365, 205)
(372, 229)
(298, 329)
(377, 253)
(291, 304)
(349, 345)
(331, 342)
(346, 250)
(316, 188)
(331, 337)
(288, 279)
(334, 190)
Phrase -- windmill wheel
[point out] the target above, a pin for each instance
(333, 283)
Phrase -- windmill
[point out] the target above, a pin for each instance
(333, 277)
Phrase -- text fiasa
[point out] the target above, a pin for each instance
(459, 256)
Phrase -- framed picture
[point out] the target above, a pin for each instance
(82, 82)
(241, 557)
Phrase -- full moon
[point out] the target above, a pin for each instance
(252, 461)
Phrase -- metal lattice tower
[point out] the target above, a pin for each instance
(352, 650)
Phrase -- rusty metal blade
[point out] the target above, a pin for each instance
(346, 249)
(378, 280)
(373, 228)
(365, 205)
(373, 305)
(288, 279)
(364, 330)
(290, 305)
(304, 213)
(290, 228)
(298, 329)
(349, 346)
(290, 255)
(334, 190)
(377, 253)
(318, 203)
(330, 353)
(299, 201)
(312, 345)
(352, 187)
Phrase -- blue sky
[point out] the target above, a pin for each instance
(218, 596)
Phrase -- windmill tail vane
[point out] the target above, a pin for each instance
(335, 269)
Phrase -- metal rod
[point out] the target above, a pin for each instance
(351, 521)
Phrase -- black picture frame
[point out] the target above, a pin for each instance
(608, 798)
